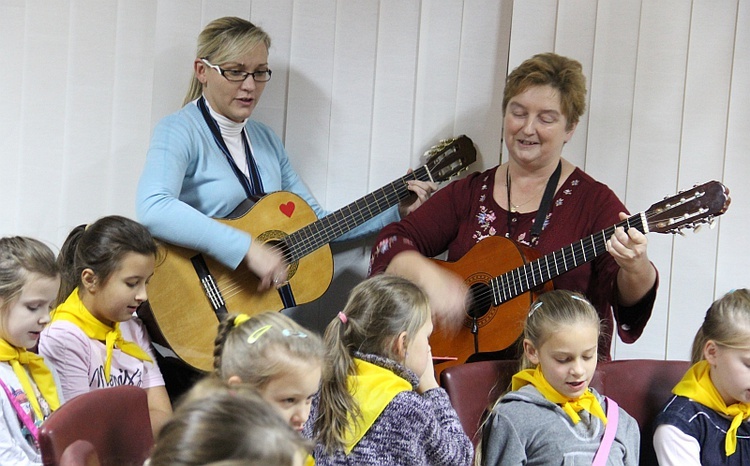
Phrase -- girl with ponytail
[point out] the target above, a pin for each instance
(380, 403)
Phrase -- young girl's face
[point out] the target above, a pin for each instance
(26, 316)
(567, 358)
(116, 299)
(730, 372)
(291, 392)
(418, 352)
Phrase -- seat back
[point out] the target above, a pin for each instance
(115, 420)
(640, 386)
(473, 387)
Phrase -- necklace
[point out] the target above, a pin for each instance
(511, 206)
(544, 205)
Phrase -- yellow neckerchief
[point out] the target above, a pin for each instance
(73, 310)
(309, 461)
(696, 385)
(571, 407)
(19, 357)
(372, 388)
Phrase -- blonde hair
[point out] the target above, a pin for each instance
(261, 348)
(20, 256)
(727, 323)
(223, 40)
(552, 310)
(378, 310)
(562, 73)
(218, 424)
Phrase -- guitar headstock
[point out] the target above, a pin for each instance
(450, 157)
(689, 208)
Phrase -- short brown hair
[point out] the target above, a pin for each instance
(549, 69)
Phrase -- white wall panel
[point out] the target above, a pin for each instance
(43, 119)
(361, 88)
(732, 260)
(655, 141)
(12, 49)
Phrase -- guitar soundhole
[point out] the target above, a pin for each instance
(481, 300)
(275, 239)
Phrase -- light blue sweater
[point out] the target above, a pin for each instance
(187, 180)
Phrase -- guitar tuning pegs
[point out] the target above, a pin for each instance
(680, 232)
(697, 228)
(712, 224)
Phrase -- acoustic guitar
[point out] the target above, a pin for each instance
(505, 277)
(190, 293)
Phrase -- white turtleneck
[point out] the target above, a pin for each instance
(231, 131)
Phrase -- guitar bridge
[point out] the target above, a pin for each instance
(209, 287)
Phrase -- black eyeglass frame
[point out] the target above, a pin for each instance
(240, 76)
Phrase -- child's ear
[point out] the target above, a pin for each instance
(530, 351)
(709, 352)
(89, 280)
(401, 345)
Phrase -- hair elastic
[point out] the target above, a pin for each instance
(241, 319)
(342, 317)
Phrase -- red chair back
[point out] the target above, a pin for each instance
(114, 420)
(473, 387)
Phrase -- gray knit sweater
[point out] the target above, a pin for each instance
(413, 429)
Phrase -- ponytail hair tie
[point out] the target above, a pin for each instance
(240, 319)
(342, 317)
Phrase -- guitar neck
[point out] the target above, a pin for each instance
(319, 233)
(534, 274)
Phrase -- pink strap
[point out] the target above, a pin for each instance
(23, 415)
(613, 414)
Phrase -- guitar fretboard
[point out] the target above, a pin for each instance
(529, 276)
(317, 234)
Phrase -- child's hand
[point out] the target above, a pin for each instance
(427, 381)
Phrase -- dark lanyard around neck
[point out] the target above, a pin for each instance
(544, 206)
(252, 185)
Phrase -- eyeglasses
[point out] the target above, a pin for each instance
(236, 76)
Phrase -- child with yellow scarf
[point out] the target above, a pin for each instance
(552, 416)
(379, 403)
(94, 339)
(28, 286)
(706, 421)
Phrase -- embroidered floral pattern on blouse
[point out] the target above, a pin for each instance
(384, 246)
(485, 217)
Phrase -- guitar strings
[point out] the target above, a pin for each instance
(517, 283)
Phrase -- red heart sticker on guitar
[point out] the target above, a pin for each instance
(287, 209)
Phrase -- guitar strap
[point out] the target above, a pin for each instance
(544, 206)
(252, 185)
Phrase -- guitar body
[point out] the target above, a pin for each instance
(180, 306)
(499, 326)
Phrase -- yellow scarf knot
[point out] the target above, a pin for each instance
(45, 382)
(372, 388)
(73, 310)
(572, 407)
(697, 385)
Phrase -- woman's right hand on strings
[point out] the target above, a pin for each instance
(267, 264)
(446, 291)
